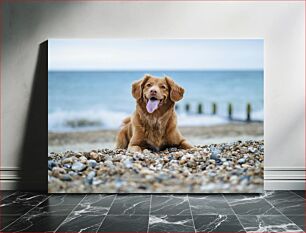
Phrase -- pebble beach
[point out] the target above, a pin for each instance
(215, 168)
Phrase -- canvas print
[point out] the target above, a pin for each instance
(155, 115)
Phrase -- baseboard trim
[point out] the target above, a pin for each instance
(9, 178)
(285, 169)
(8, 184)
(4, 169)
(284, 177)
(284, 185)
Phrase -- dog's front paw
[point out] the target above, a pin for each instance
(186, 145)
(133, 149)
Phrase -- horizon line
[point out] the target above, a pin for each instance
(153, 70)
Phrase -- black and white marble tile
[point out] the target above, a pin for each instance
(5, 194)
(81, 223)
(57, 205)
(250, 204)
(286, 202)
(299, 220)
(21, 202)
(266, 223)
(209, 205)
(7, 220)
(95, 204)
(88, 215)
(67, 199)
(127, 223)
(35, 223)
(130, 205)
(169, 224)
(49, 212)
(32, 212)
(170, 205)
(217, 223)
(300, 193)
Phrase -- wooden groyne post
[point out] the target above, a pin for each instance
(200, 108)
(230, 110)
(187, 107)
(248, 110)
(214, 108)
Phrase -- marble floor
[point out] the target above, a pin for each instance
(280, 211)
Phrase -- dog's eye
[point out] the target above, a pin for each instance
(163, 87)
(149, 85)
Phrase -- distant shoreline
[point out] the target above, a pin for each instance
(78, 141)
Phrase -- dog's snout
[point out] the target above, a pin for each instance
(153, 92)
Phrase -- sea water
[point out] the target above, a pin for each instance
(93, 100)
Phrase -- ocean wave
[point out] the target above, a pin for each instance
(62, 121)
(67, 121)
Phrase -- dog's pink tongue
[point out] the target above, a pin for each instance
(152, 105)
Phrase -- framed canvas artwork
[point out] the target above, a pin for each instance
(155, 116)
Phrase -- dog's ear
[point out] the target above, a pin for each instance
(176, 92)
(138, 86)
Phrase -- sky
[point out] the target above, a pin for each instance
(155, 54)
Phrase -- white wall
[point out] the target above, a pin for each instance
(281, 24)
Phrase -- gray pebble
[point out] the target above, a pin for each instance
(92, 163)
(241, 161)
(89, 177)
(51, 164)
(67, 165)
(118, 183)
(67, 160)
(78, 166)
(127, 163)
(215, 153)
(173, 149)
(65, 177)
(108, 163)
(252, 149)
(72, 173)
(83, 159)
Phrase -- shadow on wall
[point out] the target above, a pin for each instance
(33, 164)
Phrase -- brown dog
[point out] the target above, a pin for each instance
(153, 124)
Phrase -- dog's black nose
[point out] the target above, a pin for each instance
(152, 91)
